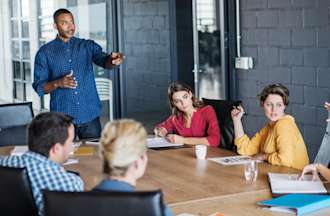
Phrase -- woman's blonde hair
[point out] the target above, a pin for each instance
(122, 142)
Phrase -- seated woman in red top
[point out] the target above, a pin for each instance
(191, 122)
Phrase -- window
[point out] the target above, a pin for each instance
(20, 45)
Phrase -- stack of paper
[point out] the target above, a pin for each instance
(289, 183)
(160, 142)
(301, 203)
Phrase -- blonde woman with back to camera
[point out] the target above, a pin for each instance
(124, 153)
(280, 141)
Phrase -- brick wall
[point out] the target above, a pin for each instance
(146, 44)
(289, 41)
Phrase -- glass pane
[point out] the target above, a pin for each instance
(14, 8)
(27, 71)
(25, 29)
(15, 49)
(16, 69)
(46, 30)
(14, 28)
(26, 50)
(95, 1)
(45, 7)
(211, 80)
(71, 3)
(28, 91)
(18, 91)
(25, 8)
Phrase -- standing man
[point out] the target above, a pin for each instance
(50, 137)
(64, 68)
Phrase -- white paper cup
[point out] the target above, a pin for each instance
(200, 151)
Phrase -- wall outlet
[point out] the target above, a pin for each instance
(244, 63)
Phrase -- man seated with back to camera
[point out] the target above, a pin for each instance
(50, 137)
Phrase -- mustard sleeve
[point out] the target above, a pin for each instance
(247, 146)
(285, 136)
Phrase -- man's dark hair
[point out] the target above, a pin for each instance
(47, 129)
(59, 12)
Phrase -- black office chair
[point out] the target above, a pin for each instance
(103, 203)
(16, 197)
(14, 120)
(223, 110)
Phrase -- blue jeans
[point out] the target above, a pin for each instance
(88, 130)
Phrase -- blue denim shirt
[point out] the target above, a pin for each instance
(57, 59)
(114, 185)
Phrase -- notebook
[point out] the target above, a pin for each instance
(288, 183)
(300, 203)
(160, 142)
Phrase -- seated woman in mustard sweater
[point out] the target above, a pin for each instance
(280, 141)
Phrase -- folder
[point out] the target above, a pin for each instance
(85, 151)
(301, 203)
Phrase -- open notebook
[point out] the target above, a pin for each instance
(160, 142)
(289, 183)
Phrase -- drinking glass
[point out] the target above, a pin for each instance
(251, 171)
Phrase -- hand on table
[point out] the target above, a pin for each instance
(160, 131)
(260, 157)
(173, 138)
(311, 168)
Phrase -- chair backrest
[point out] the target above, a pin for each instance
(223, 110)
(15, 114)
(16, 197)
(103, 203)
(14, 120)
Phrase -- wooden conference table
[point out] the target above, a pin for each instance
(199, 187)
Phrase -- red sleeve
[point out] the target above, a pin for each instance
(168, 124)
(213, 130)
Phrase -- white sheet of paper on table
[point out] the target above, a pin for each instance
(19, 150)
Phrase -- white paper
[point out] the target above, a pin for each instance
(281, 209)
(231, 160)
(19, 150)
(71, 161)
(289, 183)
(160, 142)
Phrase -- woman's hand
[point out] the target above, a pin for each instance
(173, 138)
(237, 113)
(261, 157)
(160, 131)
(327, 106)
(311, 168)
